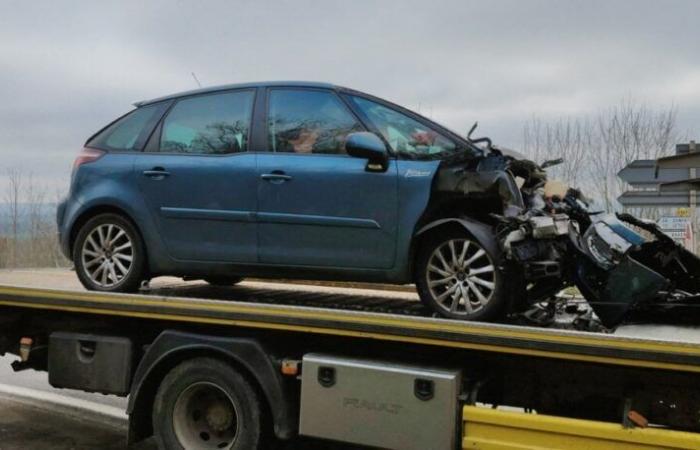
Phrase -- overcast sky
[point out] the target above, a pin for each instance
(67, 68)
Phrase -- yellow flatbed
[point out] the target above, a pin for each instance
(538, 374)
(251, 306)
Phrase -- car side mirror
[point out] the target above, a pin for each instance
(368, 146)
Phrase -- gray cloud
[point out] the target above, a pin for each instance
(67, 68)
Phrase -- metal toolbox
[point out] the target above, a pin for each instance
(380, 405)
(90, 363)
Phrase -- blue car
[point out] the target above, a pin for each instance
(289, 180)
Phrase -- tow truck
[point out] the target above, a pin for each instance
(254, 365)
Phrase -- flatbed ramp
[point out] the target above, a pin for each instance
(279, 309)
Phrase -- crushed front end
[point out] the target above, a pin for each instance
(551, 240)
(620, 264)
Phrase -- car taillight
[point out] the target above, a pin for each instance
(88, 155)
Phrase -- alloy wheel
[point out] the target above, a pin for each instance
(107, 255)
(461, 277)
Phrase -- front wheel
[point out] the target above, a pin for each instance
(459, 278)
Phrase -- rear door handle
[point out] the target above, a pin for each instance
(157, 173)
(276, 177)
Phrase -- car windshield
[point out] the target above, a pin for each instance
(407, 136)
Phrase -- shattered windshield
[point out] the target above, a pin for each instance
(406, 136)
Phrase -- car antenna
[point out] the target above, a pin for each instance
(196, 80)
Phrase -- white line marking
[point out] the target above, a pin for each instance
(111, 412)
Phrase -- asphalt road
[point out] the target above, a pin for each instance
(35, 416)
(30, 380)
(34, 425)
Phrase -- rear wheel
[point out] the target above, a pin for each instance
(459, 278)
(206, 404)
(109, 254)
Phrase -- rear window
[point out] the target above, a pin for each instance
(129, 132)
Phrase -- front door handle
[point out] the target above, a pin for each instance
(157, 173)
(276, 177)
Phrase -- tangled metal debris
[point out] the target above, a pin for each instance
(551, 239)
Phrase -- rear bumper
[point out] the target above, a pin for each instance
(63, 231)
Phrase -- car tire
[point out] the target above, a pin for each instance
(223, 281)
(205, 403)
(459, 278)
(112, 243)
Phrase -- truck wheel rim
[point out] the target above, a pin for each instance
(107, 255)
(461, 277)
(205, 417)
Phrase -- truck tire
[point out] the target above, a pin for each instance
(205, 403)
(109, 254)
(457, 277)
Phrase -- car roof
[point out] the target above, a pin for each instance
(310, 84)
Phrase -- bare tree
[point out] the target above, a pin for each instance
(570, 139)
(595, 149)
(627, 132)
(30, 238)
(13, 205)
(38, 246)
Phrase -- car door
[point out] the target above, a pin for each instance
(199, 180)
(419, 146)
(317, 206)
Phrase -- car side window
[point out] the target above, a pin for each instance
(208, 124)
(308, 121)
(404, 134)
(123, 135)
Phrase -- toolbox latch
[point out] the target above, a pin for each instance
(86, 350)
(326, 376)
(424, 389)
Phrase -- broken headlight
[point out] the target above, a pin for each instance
(608, 240)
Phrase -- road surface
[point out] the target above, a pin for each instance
(35, 416)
